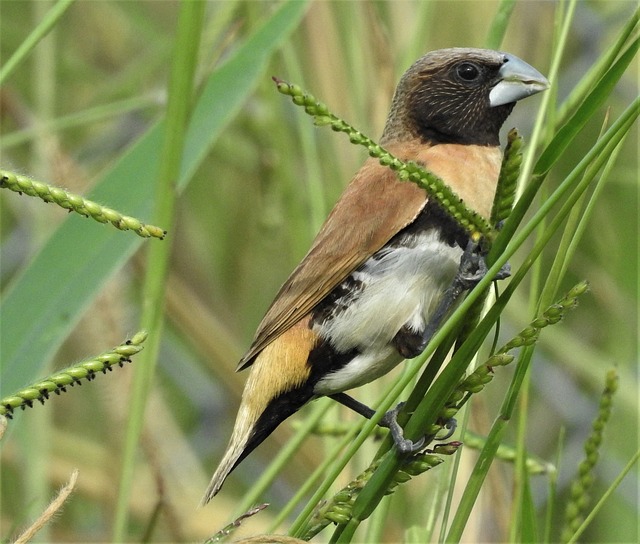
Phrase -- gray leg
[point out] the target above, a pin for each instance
(389, 421)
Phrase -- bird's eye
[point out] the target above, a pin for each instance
(468, 71)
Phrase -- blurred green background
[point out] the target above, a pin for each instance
(98, 82)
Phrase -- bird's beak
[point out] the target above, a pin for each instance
(517, 80)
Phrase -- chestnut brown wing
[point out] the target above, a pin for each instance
(374, 207)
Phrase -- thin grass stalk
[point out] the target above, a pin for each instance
(485, 459)
(605, 496)
(443, 493)
(553, 489)
(37, 432)
(529, 526)
(563, 254)
(526, 193)
(451, 491)
(583, 218)
(562, 139)
(524, 383)
(37, 34)
(179, 105)
(78, 119)
(499, 25)
(313, 164)
(596, 72)
(521, 385)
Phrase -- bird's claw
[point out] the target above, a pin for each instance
(404, 445)
(473, 268)
(451, 425)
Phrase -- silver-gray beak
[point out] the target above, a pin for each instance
(517, 81)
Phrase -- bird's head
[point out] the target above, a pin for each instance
(460, 95)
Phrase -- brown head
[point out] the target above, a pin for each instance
(459, 95)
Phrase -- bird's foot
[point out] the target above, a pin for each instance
(390, 421)
(404, 445)
(473, 268)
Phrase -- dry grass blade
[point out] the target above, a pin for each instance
(54, 507)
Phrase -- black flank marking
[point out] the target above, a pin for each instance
(324, 359)
(337, 301)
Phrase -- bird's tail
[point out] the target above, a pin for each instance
(242, 432)
(271, 395)
(250, 430)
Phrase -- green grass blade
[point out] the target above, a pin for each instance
(45, 26)
(528, 522)
(499, 24)
(614, 485)
(49, 298)
(223, 96)
(180, 100)
(584, 86)
(587, 109)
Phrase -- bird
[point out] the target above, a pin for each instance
(362, 298)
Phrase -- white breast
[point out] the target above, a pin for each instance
(401, 285)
